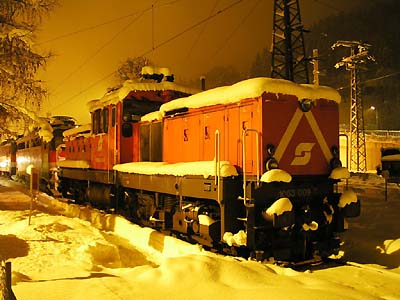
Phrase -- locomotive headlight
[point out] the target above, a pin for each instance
(335, 151)
(271, 163)
(306, 104)
(270, 149)
(335, 161)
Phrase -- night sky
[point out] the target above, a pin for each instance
(89, 39)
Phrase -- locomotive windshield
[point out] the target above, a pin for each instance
(134, 109)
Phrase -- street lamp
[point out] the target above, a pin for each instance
(372, 107)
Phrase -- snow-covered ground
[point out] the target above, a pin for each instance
(59, 257)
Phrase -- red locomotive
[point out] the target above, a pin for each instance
(8, 158)
(32, 150)
(248, 167)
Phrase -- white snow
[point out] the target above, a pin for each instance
(237, 239)
(203, 168)
(340, 173)
(115, 96)
(206, 220)
(251, 88)
(347, 197)
(394, 157)
(153, 116)
(78, 131)
(276, 175)
(58, 257)
(150, 70)
(279, 207)
(311, 226)
(77, 164)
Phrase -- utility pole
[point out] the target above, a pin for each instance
(288, 50)
(358, 55)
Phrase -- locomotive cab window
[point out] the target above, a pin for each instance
(134, 109)
(105, 120)
(113, 116)
(127, 129)
(96, 121)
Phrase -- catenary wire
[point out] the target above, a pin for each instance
(93, 55)
(200, 33)
(140, 14)
(233, 32)
(72, 33)
(151, 50)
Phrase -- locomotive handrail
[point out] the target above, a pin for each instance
(245, 131)
(217, 169)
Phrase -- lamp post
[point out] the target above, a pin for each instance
(372, 107)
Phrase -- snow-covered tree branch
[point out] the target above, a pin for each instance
(19, 62)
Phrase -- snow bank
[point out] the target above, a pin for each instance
(203, 168)
(150, 240)
(276, 175)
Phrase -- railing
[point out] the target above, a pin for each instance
(378, 133)
(217, 153)
(245, 132)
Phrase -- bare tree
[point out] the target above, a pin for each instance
(20, 90)
(131, 68)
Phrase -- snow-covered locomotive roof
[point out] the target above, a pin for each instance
(78, 130)
(117, 95)
(249, 88)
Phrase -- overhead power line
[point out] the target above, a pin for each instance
(371, 80)
(329, 5)
(153, 49)
(93, 55)
(201, 32)
(87, 29)
(233, 32)
(72, 33)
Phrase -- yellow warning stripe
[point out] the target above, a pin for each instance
(287, 136)
(318, 134)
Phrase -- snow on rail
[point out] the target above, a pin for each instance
(203, 168)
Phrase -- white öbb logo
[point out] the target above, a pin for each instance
(302, 154)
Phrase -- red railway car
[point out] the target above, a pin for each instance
(248, 167)
(33, 150)
(293, 128)
(112, 137)
(8, 158)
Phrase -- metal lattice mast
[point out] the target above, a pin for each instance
(288, 50)
(358, 156)
(358, 55)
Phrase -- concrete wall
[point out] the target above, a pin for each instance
(374, 143)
